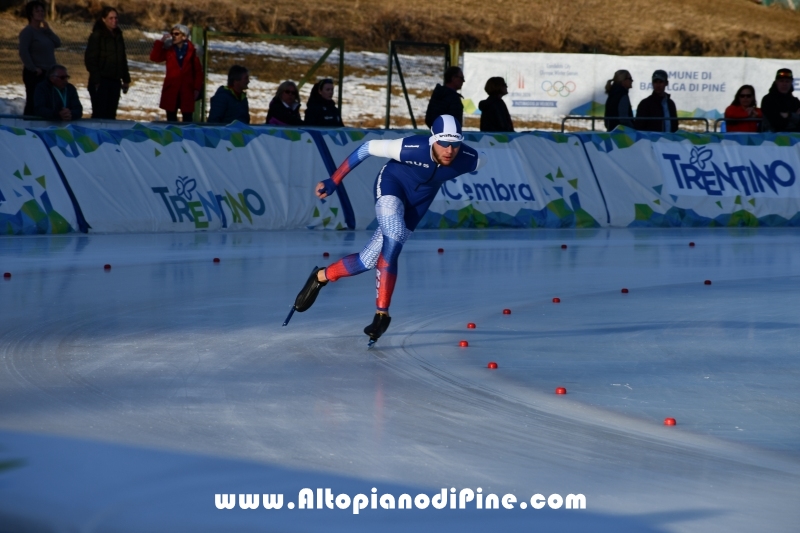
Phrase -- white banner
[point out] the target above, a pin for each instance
(33, 198)
(531, 180)
(189, 179)
(650, 180)
(550, 86)
(729, 170)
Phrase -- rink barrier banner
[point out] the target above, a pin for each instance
(154, 179)
(550, 86)
(694, 180)
(33, 199)
(530, 180)
(239, 177)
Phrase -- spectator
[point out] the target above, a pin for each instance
(56, 98)
(494, 113)
(284, 109)
(743, 106)
(445, 99)
(655, 111)
(321, 110)
(37, 44)
(184, 78)
(230, 103)
(618, 104)
(780, 107)
(107, 65)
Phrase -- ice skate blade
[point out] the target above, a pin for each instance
(371, 343)
(289, 317)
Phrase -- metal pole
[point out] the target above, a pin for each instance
(315, 66)
(405, 91)
(389, 84)
(205, 74)
(341, 72)
(455, 51)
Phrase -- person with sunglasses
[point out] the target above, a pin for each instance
(618, 103)
(404, 190)
(743, 107)
(107, 63)
(284, 109)
(184, 79)
(55, 98)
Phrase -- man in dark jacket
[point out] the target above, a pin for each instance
(781, 109)
(445, 99)
(658, 106)
(230, 103)
(57, 99)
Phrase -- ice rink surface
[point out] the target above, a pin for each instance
(129, 397)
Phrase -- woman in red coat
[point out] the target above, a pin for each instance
(184, 79)
(743, 106)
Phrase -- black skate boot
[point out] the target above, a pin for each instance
(380, 323)
(308, 294)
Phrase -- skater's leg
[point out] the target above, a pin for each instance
(354, 264)
(389, 211)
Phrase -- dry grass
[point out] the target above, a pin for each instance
(642, 27)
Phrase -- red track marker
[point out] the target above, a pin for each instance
(669, 422)
(441, 250)
(106, 267)
(463, 344)
(563, 246)
(325, 254)
(624, 291)
(492, 365)
(7, 275)
(691, 244)
(471, 325)
(506, 311)
(561, 390)
(707, 282)
(556, 300)
(216, 259)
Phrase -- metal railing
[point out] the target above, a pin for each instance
(393, 57)
(721, 120)
(595, 119)
(332, 43)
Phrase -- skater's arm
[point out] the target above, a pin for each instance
(390, 149)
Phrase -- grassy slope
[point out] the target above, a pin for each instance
(646, 27)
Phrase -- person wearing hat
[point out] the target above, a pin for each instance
(781, 109)
(656, 111)
(404, 190)
(184, 79)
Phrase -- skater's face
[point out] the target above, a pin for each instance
(444, 155)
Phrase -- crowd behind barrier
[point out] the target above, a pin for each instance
(106, 60)
(161, 178)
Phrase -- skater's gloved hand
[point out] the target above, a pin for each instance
(325, 188)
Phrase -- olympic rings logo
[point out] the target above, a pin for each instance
(558, 88)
